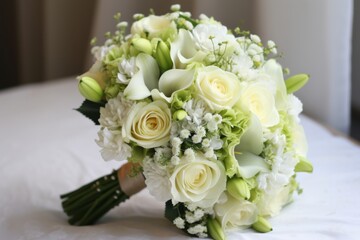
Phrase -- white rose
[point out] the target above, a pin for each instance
(218, 88)
(148, 124)
(235, 213)
(199, 182)
(258, 97)
(154, 26)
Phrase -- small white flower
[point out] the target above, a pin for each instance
(190, 218)
(176, 144)
(270, 44)
(175, 7)
(208, 117)
(179, 223)
(184, 133)
(175, 160)
(189, 155)
(196, 138)
(199, 213)
(205, 142)
(174, 15)
(197, 229)
(255, 38)
(188, 25)
(256, 58)
(210, 153)
(122, 24)
(200, 131)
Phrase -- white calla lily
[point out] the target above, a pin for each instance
(174, 80)
(183, 50)
(144, 80)
(250, 164)
(252, 140)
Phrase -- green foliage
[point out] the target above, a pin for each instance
(91, 110)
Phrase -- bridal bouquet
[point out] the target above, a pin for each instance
(203, 117)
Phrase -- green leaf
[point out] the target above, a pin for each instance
(171, 211)
(296, 82)
(91, 110)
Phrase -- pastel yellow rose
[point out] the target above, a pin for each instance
(200, 181)
(258, 97)
(148, 124)
(235, 214)
(218, 88)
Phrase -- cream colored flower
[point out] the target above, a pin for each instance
(199, 182)
(271, 203)
(218, 88)
(235, 213)
(258, 97)
(148, 124)
(154, 26)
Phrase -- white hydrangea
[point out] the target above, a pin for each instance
(156, 179)
(113, 146)
(115, 112)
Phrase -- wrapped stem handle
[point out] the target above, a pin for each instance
(90, 202)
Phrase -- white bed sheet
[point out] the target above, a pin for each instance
(47, 148)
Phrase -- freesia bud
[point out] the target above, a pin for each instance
(262, 225)
(90, 89)
(215, 230)
(162, 56)
(142, 45)
(296, 82)
(238, 188)
(179, 115)
(304, 166)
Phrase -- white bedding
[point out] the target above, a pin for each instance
(47, 148)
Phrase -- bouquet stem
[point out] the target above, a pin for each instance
(90, 202)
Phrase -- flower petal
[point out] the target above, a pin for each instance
(174, 80)
(252, 140)
(144, 80)
(250, 164)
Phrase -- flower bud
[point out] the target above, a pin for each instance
(296, 82)
(238, 188)
(262, 225)
(142, 45)
(90, 89)
(162, 56)
(304, 166)
(215, 230)
(179, 115)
